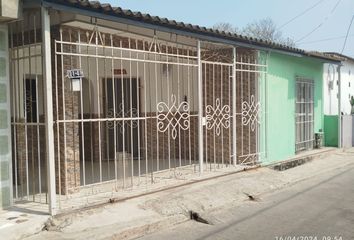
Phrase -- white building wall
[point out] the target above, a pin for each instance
(330, 77)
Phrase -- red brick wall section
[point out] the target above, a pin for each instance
(69, 142)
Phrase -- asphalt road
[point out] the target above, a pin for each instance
(319, 208)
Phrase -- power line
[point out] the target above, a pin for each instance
(301, 14)
(321, 24)
(308, 34)
(325, 39)
(346, 37)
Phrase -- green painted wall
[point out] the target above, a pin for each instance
(281, 79)
(331, 130)
(5, 132)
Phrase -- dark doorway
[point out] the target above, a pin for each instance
(123, 103)
(31, 100)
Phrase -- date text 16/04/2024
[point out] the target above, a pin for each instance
(308, 238)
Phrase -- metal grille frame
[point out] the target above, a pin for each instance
(144, 110)
(27, 109)
(304, 117)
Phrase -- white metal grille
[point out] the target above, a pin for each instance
(219, 117)
(132, 111)
(173, 118)
(251, 69)
(217, 97)
(304, 114)
(234, 85)
(250, 113)
(27, 109)
(133, 115)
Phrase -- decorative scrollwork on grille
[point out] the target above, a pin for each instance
(123, 113)
(174, 116)
(250, 113)
(218, 116)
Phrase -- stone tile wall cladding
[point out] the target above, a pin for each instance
(68, 157)
(26, 152)
(70, 164)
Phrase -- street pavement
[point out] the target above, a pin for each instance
(320, 208)
(311, 201)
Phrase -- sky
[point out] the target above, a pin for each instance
(324, 25)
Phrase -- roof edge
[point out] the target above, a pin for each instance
(340, 55)
(105, 11)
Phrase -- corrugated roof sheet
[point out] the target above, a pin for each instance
(106, 8)
(339, 55)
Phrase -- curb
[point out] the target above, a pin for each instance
(173, 220)
(142, 230)
(300, 160)
(28, 232)
(116, 200)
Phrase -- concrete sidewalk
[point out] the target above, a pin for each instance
(319, 208)
(149, 213)
(23, 220)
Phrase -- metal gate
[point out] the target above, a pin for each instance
(132, 110)
(251, 106)
(304, 114)
(125, 110)
(217, 90)
(234, 100)
(28, 109)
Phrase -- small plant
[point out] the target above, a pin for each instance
(352, 104)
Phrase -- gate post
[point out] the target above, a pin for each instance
(340, 129)
(49, 124)
(200, 111)
(234, 109)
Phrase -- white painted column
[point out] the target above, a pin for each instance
(200, 111)
(234, 109)
(339, 107)
(49, 124)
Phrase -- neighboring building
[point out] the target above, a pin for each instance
(104, 99)
(330, 76)
(331, 95)
(295, 104)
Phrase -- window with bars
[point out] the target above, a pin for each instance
(304, 114)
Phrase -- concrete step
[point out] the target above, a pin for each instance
(301, 159)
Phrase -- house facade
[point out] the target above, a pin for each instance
(104, 99)
(331, 85)
(339, 87)
(295, 104)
